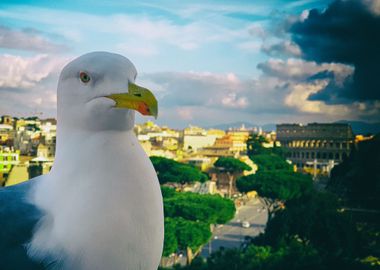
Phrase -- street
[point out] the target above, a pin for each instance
(231, 234)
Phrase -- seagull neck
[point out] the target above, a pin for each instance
(78, 148)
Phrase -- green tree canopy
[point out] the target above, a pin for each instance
(167, 192)
(231, 165)
(255, 147)
(280, 185)
(210, 209)
(295, 256)
(170, 239)
(181, 234)
(310, 233)
(169, 170)
(192, 234)
(315, 219)
(275, 186)
(269, 162)
(357, 179)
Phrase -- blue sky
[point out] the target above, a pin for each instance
(208, 62)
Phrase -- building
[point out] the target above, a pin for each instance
(195, 138)
(203, 163)
(316, 146)
(8, 159)
(6, 134)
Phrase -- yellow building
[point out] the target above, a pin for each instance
(6, 133)
(195, 142)
(218, 133)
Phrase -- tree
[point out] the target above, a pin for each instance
(275, 187)
(170, 240)
(255, 145)
(185, 235)
(357, 178)
(270, 162)
(315, 219)
(35, 170)
(356, 181)
(188, 217)
(210, 209)
(231, 166)
(169, 170)
(310, 233)
(295, 256)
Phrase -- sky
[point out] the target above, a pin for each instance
(207, 62)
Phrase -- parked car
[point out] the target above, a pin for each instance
(245, 224)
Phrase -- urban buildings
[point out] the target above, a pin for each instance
(316, 148)
(8, 159)
(313, 148)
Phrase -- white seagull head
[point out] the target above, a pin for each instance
(96, 91)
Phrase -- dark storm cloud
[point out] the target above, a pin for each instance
(346, 32)
(334, 93)
(325, 74)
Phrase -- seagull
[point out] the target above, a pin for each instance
(100, 207)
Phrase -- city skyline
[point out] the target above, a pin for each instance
(208, 62)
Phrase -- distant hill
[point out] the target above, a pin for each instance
(360, 127)
(233, 125)
(269, 127)
(248, 125)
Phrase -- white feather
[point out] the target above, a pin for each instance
(102, 198)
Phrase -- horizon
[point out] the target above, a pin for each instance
(209, 63)
(363, 128)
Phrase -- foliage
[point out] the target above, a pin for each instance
(170, 240)
(270, 162)
(275, 186)
(231, 165)
(295, 256)
(357, 178)
(310, 233)
(167, 192)
(188, 217)
(169, 170)
(311, 230)
(210, 209)
(356, 181)
(34, 170)
(181, 233)
(314, 219)
(255, 145)
(279, 185)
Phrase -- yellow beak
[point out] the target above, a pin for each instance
(138, 98)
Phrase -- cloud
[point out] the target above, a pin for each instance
(284, 48)
(26, 72)
(298, 84)
(197, 89)
(346, 32)
(250, 46)
(282, 93)
(373, 5)
(185, 113)
(298, 69)
(144, 34)
(28, 84)
(27, 40)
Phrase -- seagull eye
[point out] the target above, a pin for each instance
(84, 77)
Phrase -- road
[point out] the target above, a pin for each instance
(232, 234)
